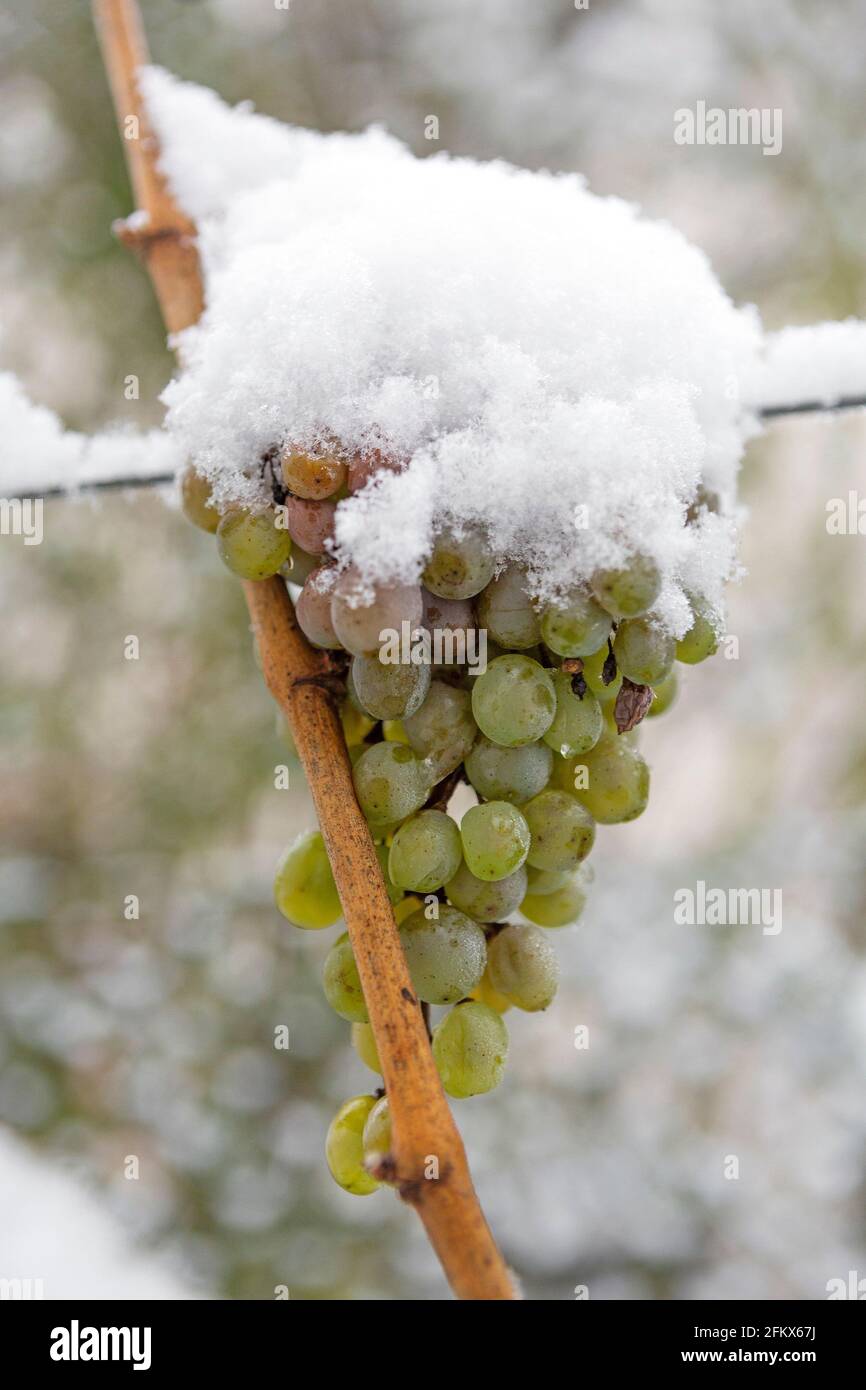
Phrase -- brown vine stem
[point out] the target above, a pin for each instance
(429, 1161)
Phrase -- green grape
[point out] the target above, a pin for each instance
(389, 691)
(310, 477)
(391, 783)
(195, 500)
(344, 1146)
(514, 701)
(628, 592)
(495, 840)
(507, 611)
(470, 1046)
(561, 907)
(251, 545)
(616, 781)
(562, 832)
(665, 694)
(299, 566)
(446, 955)
(394, 732)
(484, 901)
(304, 888)
(395, 893)
(523, 967)
(405, 907)
(364, 1043)
(592, 673)
(425, 852)
(458, 568)
(486, 994)
(342, 983)
(508, 774)
(578, 720)
(542, 881)
(443, 729)
(702, 638)
(643, 652)
(376, 1139)
(577, 627)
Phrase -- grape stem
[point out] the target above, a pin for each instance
(432, 1173)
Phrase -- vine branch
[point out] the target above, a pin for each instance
(429, 1161)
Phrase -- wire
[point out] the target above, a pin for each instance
(767, 412)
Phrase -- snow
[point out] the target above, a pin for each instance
(551, 367)
(822, 362)
(37, 454)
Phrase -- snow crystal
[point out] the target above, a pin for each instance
(37, 454)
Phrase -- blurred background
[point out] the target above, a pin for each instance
(153, 1038)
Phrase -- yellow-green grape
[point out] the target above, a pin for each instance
(470, 1046)
(630, 591)
(665, 693)
(299, 566)
(342, 983)
(344, 1146)
(562, 832)
(251, 544)
(482, 900)
(393, 731)
(355, 750)
(702, 638)
(486, 994)
(561, 907)
(443, 730)
(366, 618)
(495, 839)
(425, 852)
(356, 726)
(508, 774)
(577, 723)
(391, 782)
(592, 673)
(577, 627)
(523, 967)
(364, 1043)
(507, 612)
(395, 893)
(541, 881)
(612, 781)
(458, 567)
(195, 500)
(389, 690)
(376, 1139)
(446, 955)
(514, 701)
(643, 652)
(406, 907)
(304, 888)
(310, 477)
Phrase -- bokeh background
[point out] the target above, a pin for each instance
(154, 1038)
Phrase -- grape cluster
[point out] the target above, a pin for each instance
(545, 734)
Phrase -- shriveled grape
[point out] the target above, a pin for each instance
(470, 1046)
(523, 967)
